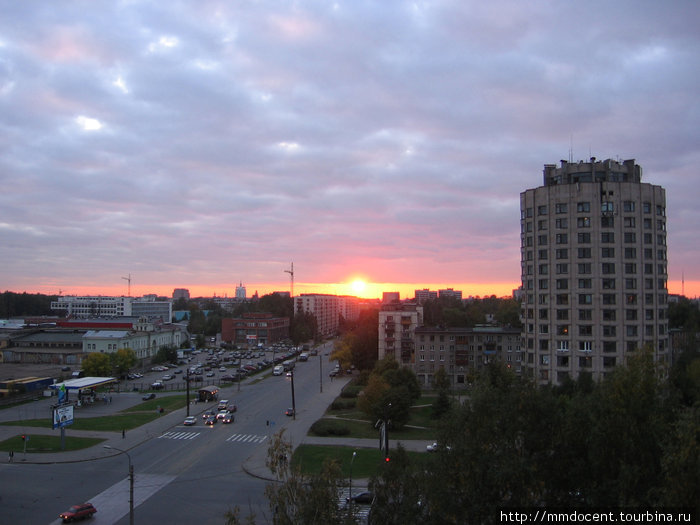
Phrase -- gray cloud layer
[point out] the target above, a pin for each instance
(207, 142)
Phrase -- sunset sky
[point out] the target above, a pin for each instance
(205, 143)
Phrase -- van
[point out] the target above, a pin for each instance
(303, 356)
(277, 371)
(223, 405)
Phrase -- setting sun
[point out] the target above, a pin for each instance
(358, 286)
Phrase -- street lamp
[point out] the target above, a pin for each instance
(354, 453)
(131, 482)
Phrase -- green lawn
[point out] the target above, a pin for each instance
(310, 458)
(46, 443)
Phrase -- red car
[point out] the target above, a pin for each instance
(78, 512)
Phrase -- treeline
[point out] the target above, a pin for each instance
(205, 316)
(25, 304)
(451, 312)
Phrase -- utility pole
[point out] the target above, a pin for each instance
(291, 275)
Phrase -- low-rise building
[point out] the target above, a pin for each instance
(254, 328)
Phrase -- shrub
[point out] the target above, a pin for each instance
(330, 427)
(351, 391)
(343, 404)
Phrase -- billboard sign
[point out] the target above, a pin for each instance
(62, 416)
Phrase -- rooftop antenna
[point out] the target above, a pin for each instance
(128, 279)
(291, 275)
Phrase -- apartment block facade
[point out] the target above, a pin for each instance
(594, 269)
(328, 309)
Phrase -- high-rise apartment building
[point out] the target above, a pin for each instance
(594, 269)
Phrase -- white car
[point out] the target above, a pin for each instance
(435, 447)
(190, 420)
(223, 414)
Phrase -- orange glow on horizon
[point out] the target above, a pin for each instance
(357, 287)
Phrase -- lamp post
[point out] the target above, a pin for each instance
(294, 405)
(354, 453)
(131, 482)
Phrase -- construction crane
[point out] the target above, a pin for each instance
(291, 275)
(128, 279)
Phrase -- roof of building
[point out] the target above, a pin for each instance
(106, 334)
(85, 382)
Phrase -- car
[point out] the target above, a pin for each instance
(289, 412)
(65, 369)
(208, 413)
(189, 421)
(149, 396)
(78, 512)
(222, 414)
(157, 385)
(222, 404)
(435, 447)
(363, 497)
(210, 374)
(210, 421)
(228, 418)
(222, 369)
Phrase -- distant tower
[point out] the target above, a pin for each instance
(240, 291)
(291, 275)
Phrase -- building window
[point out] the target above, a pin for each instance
(585, 315)
(630, 283)
(585, 298)
(562, 284)
(561, 224)
(562, 253)
(584, 253)
(542, 254)
(585, 346)
(607, 222)
(607, 207)
(608, 284)
(630, 253)
(562, 299)
(646, 207)
(628, 206)
(585, 330)
(608, 268)
(562, 238)
(584, 238)
(583, 222)
(561, 208)
(609, 298)
(542, 240)
(585, 283)
(541, 210)
(562, 268)
(609, 315)
(583, 207)
(630, 267)
(609, 331)
(584, 268)
(630, 314)
(630, 237)
(607, 252)
(607, 237)
(629, 222)
(541, 225)
(562, 314)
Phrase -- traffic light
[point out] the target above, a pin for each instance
(24, 438)
(387, 459)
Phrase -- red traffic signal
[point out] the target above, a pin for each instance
(387, 459)
(24, 438)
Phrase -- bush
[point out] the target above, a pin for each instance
(351, 391)
(329, 427)
(343, 404)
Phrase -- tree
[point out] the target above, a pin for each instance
(303, 327)
(299, 499)
(166, 354)
(443, 402)
(123, 360)
(399, 492)
(97, 364)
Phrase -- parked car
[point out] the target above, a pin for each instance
(190, 420)
(363, 497)
(157, 385)
(149, 396)
(78, 512)
(435, 447)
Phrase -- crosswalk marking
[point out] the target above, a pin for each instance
(179, 435)
(246, 438)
